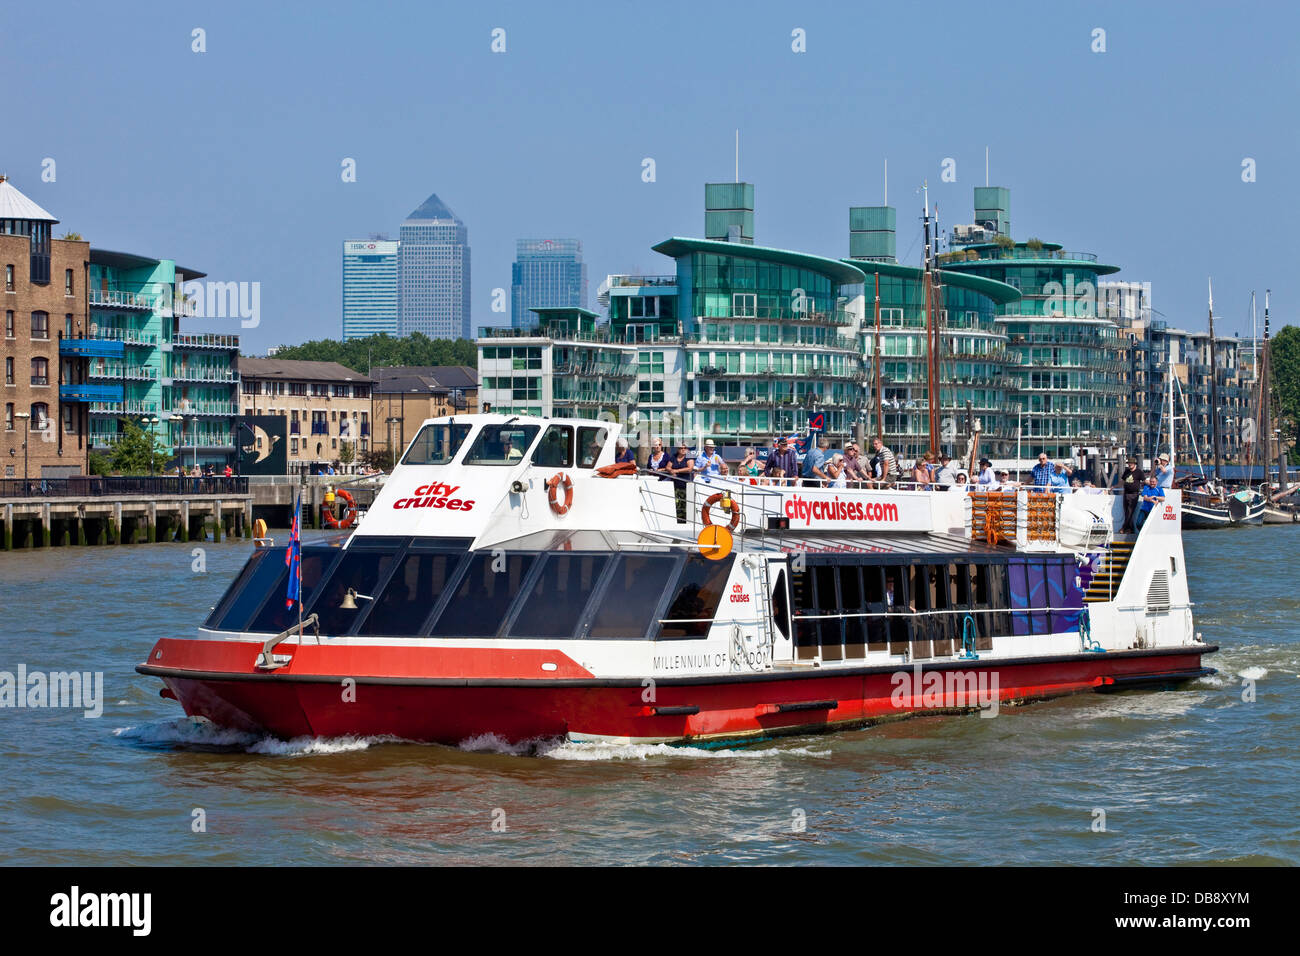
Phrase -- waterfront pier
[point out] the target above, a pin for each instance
(52, 512)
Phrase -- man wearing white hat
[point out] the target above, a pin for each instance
(708, 463)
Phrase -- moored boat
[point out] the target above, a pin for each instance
(501, 584)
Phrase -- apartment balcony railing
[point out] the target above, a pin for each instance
(141, 373)
(631, 281)
(192, 374)
(126, 336)
(106, 394)
(118, 299)
(205, 340)
(190, 407)
(91, 348)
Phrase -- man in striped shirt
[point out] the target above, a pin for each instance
(884, 465)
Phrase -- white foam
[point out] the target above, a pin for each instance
(308, 746)
(600, 751)
(1253, 673)
(186, 731)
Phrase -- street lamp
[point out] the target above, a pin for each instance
(151, 421)
(23, 416)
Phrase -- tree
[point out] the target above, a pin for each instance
(131, 454)
(1004, 242)
(347, 453)
(98, 464)
(381, 350)
(1284, 353)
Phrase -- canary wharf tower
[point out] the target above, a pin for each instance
(433, 273)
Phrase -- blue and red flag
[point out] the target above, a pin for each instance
(293, 557)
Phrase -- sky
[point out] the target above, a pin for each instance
(230, 160)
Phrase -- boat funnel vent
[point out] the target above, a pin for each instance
(1158, 593)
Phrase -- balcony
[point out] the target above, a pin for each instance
(205, 340)
(201, 374)
(117, 299)
(90, 393)
(188, 408)
(125, 336)
(137, 373)
(91, 348)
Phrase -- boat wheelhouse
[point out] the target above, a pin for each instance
(510, 579)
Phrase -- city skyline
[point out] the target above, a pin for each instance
(262, 196)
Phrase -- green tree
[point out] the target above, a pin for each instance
(380, 350)
(1284, 352)
(131, 454)
(347, 453)
(98, 464)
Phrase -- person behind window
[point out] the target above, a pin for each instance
(552, 451)
(593, 452)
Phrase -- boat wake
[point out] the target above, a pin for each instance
(195, 733)
(558, 748)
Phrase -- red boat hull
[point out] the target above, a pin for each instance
(453, 708)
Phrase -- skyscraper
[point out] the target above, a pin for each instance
(433, 273)
(546, 273)
(369, 287)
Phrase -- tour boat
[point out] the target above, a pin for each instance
(511, 579)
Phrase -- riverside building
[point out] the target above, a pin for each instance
(326, 404)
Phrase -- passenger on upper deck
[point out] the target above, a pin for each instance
(814, 475)
(1130, 481)
(1152, 494)
(658, 458)
(1061, 477)
(885, 469)
(946, 476)
(988, 479)
(1164, 472)
(708, 463)
(782, 462)
(855, 467)
(622, 453)
(681, 466)
(1043, 472)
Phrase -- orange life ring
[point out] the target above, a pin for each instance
(560, 480)
(713, 500)
(349, 514)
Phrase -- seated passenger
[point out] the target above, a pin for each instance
(593, 452)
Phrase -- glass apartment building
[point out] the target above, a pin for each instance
(369, 288)
(433, 267)
(547, 273)
(187, 381)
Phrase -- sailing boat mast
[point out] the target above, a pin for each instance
(880, 395)
(1214, 394)
(932, 372)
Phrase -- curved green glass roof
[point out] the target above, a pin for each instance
(999, 292)
(842, 272)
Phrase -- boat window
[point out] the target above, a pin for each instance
(436, 444)
(851, 594)
(491, 583)
(627, 607)
(277, 613)
(360, 569)
(555, 450)
(240, 584)
(781, 605)
(873, 589)
(805, 631)
(591, 441)
(699, 590)
(828, 628)
(942, 624)
(555, 603)
(896, 580)
(410, 594)
(501, 444)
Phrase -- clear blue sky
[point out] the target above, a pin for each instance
(229, 161)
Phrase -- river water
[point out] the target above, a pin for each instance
(1195, 775)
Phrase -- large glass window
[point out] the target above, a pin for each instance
(361, 570)
(590, 442)
(246, 592)
(277, 613)
(410, 595)
(556, 602)
(699, 589)
(555, 450)
(627, 608)
(435, 445)
(485, 593)
(501, 444)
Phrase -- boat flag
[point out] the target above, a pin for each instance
(293, 557)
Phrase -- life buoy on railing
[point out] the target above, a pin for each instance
(553, 486)
(349, 514)
(728, 503)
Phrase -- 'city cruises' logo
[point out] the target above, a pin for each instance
(738, 595)
(833, 509)
(1170, 514)
(436, 495)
